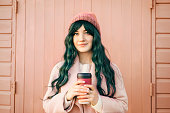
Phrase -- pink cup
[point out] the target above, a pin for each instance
(84, 77)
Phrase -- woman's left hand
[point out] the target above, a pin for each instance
(91, 97)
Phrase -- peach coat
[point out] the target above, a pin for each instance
(119, 104)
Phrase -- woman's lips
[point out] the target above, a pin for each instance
(82, 45)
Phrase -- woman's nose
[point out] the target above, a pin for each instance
(81, 37)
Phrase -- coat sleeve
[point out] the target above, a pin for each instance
(118, 104)
(55, 104)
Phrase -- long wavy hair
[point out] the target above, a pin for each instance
(99, 58)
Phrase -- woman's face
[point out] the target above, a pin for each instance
(82, 40)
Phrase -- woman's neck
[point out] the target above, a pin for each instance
(85, 58)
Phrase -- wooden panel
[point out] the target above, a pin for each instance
(5, 54)
(146, 62)
(162, 11)
(39, 61)
(5, 98)
(162, 1)
(133, 57)
(5, 12)
(163, 41)
(5, 40)
(163, 26)
(5, 26)
(5, 69)
(162, 55)
(5, 2)
(69, 13)
(136, 55)
(163, 85)
(5, 109)
(163, 100)
(86, 5)
(29, 57)
(163, 71)
(20, 57)
(123, 11)
(59, 21)
(163, 110)
(4, 83)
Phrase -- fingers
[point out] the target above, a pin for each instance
(79, 82)
(89, 86)
(83, 96)
(82, 90)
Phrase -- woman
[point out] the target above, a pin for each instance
(85, 53)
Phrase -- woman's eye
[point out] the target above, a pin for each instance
(75, 33)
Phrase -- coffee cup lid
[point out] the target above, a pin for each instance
(84, 75)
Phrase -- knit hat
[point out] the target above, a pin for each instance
(87, 16)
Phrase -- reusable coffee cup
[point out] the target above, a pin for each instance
(84, 77)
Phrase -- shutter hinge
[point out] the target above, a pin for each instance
(13, 87)
(16, 6)
(151, 4)
(151, 89)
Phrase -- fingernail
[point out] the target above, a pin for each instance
(81, 90)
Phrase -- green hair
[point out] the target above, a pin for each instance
(99, 58)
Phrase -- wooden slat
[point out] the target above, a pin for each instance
(5, 54)
(59, 21)
(163, 100)
(146, 56)
(5, 109)
(136, 55)
(163, 110)
(29, 56)
(163, 11)
(86, 5)
(5, 69)
(162, 55)
(163, 26)
(5, 97)
(162, 1)
(5, 40)
(20, 57)
(39, 61)
(122, 10)
(78, 7)
(5, 26)
(163, 41)
(5, 83)
(163, 70)
(163, 85)
(5, 2)
(5, 12)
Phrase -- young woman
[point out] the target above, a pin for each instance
(85, 53)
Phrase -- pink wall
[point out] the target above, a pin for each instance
(41, 29)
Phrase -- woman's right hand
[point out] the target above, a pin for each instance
(77, 90)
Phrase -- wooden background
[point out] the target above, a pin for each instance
(41, 29)
(135, 33)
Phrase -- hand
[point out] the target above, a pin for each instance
(91, 97)
(77, 90)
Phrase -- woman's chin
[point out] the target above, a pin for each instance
(83, 51)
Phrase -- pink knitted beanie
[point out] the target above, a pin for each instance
(87, 16)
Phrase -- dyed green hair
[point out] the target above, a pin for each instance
(99, 58)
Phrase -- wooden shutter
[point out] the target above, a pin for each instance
(7, 55)
(161, 59)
